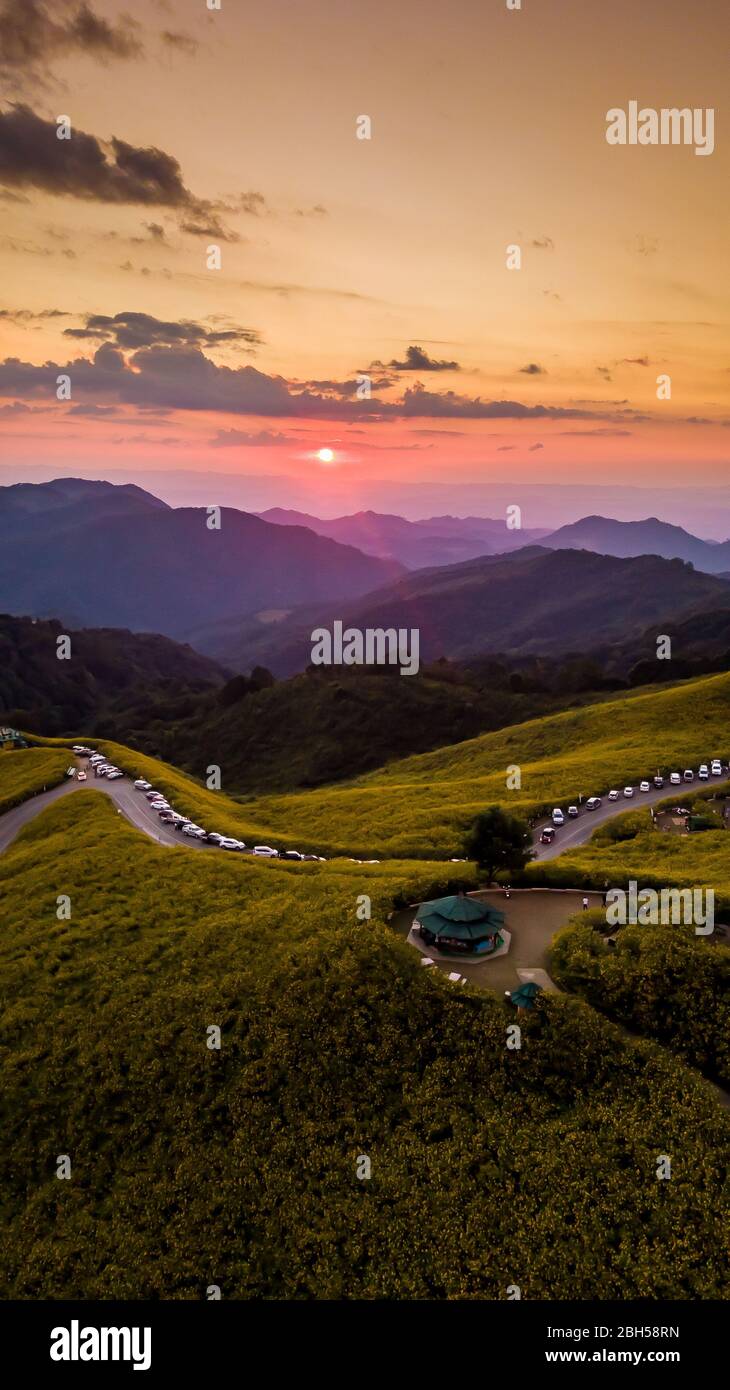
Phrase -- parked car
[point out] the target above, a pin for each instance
(227, 842)
(613, 795)
(196, 832)
(572, 810)
(214, 838)
(143, 786)
(704, 771)
(688, 775)
(557, 816)
(548, 835)
(594, 802)
(644, 787)
(266, 851)
(295, 854)
(152, 795)
(167, 817)
(716, 767)
(81, 776)
(658, 782)
(628, 791)
(675, 779)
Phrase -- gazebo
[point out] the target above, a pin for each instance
(460, 925)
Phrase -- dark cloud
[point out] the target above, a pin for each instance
(534, 448)
(317, 211)
(605, 433)
(182, 43)
(417, 360)
(236, 439)
(181, 377)
(532, 369)
(418, 401)
(25, 316)
(543, 243)
(633, 362)
(94, 412)
(346, 390)
(131, 330)
(34, 32)
(505, 448)
(32, 157)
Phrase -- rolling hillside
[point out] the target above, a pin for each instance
(532, 602)
(422, 804)
(238, 1165)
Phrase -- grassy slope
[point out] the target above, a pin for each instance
(660, 981)
(24, 771)
(422, 804)
(190, 1166)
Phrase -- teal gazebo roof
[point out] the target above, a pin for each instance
(460, 917)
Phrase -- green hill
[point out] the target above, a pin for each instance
(421, 805)
(25, 771)
(238, 1166)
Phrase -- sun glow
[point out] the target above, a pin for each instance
(325, 455)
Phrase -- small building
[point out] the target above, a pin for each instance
(460, 925)
(10, 738)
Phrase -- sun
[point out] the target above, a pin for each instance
(325, 455)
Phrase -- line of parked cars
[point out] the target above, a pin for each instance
(706, 770)
(176, 821)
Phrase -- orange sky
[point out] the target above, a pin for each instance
(488, 129)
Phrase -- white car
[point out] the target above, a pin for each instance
(572, 811)
(266, 851)
(716, 768)
(675, 779)
(195, 831)
(628, 791)
(558, 817)
(688, 775)
(613, 795)
(143, 786)
(80, 776)
(658, 782)
(227, 842)
(704, 772)
(115, 772)
(594, 802)
(644, 787)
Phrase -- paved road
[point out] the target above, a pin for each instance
(576, 831)
(132, 804)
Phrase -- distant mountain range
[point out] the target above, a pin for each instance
(439, 540)
(98, 555)
(531, 602)
(650, 537)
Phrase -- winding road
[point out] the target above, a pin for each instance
(135, 807)
(528, 959)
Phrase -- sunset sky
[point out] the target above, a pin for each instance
(341, 256)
